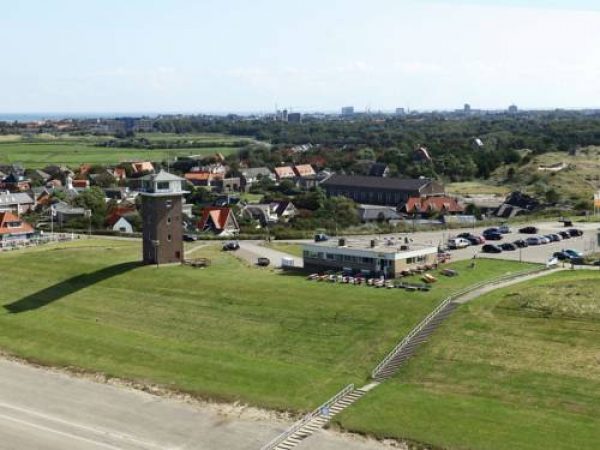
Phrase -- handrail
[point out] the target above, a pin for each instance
(310, 416)
(442, 305)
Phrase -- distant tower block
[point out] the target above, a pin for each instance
(162, 199)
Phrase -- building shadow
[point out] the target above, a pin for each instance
(74, 284)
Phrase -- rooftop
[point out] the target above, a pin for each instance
(388, 245)
(377, 182)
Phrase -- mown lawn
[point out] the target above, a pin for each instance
(286, 247)
(229, 331)
(516, 369)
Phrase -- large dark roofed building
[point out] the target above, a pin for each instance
(380, 190)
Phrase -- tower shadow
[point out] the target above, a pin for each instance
(74, 284)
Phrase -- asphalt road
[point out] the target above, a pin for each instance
(42, 409)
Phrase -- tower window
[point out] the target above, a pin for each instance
(169, 237)
(168, 220)
(169, 203)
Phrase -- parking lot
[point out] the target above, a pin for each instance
(587, 243)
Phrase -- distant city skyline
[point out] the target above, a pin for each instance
(181, 56)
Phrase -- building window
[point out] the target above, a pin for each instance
(168, 221)
(162, 186)
(169, 237)
(169, 203)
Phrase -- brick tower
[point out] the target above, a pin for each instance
(162, 199)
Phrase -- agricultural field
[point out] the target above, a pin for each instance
(516, 369)
(75, 150)
(229, 331)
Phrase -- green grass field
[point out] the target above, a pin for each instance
(75, 150)
(291, 249)
(516, 369)
(230, 331)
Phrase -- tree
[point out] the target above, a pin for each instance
(93, 199)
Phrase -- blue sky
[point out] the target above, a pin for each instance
(221, 56)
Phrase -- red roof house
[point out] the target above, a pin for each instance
(13, 229)
(284, 172)
(429, 205)
(219, 220)
(304, 170)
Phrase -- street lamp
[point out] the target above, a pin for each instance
(155, 244)
(88, 214)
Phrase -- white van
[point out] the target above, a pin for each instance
(457, 243)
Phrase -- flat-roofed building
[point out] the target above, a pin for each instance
(388, 257)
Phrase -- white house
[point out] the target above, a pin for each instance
(123, 226)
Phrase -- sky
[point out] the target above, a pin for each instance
(153, 56)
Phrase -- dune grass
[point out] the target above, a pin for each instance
(516, 369)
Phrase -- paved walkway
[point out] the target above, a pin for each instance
(45, 409)
(252, 250)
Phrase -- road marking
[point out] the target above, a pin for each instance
(113, 434)
(60, 433)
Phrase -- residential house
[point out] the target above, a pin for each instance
(228, 184)
(379, 170)
(377, 213)
(421, 154)
(65, 213)
(380, 191)
(253, 175)
(119, 173)
(141, 167)
(304, 170)
(433, 205)
(203, 179)
(269, 213)
(15, 202)
(123, 226)
(80, 184)
(219, 220)
(15, 183)
(284, 172)
(14, 230)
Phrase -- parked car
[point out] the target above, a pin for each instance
(457, 243)
(533, 240)
(231, 245)
(528, 230)
(474, 239)
(504, 229)
(575, 232)
(190, 237)
(508, 246)
(555, 237)
(492, 230)
(572, 257)
(321, 237)
(491, 248)
(262, 261)
(521, 243)
(544, 240)
(492, 235)
(564, 234)
(573, 253)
